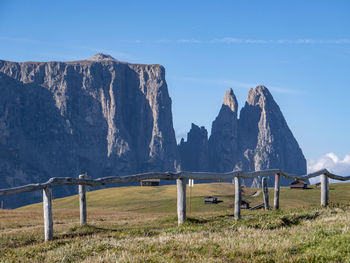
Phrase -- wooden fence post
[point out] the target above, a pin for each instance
(266, 193)
(324, 190)
(181, 200)
(82, 201)
(238, 197)
(48, 223)
(276, 201)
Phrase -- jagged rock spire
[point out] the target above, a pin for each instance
(259, 95)
(230, 100)
(266, 141)
(260, 139)
(223, 146)
(194, 152)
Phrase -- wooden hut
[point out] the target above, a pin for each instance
(298, 184)
(150, 182)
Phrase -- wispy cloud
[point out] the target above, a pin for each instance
(234, 40)
(55, 55)
(223, 40)
(20, 39)
(219, 82)
(192, 40)
(231, 40)
(331, 162)
(229, 83)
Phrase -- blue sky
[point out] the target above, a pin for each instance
(300, 50)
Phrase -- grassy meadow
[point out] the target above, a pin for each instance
(139, 224)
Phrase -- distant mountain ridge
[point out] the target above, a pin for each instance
(260, 139)
(107, 117)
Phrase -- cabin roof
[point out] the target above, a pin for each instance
(298, 182)
(151, 180)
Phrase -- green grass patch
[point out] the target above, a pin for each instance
(139, 224)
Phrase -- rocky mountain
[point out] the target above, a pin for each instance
(260, 139)
(194, 152)
(99, 116)
(223, 142)
(265, 138)
(107, 117)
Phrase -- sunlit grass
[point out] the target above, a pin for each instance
(139, 224)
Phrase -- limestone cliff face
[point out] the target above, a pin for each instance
(194, 151)
(223, 142)
(99, 116)
(266, 141)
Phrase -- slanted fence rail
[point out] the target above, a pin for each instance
(180, 178)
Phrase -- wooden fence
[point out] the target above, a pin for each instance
(180, 178)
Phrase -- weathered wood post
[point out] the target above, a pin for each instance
(238, 197)
(82, 201)
(266, 193)
(276, 200)
(48, 223)
(181, 200)
(324, 190)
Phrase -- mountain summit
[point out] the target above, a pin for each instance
(260, 139)
(223, 144)
(266, 142)
(102, 57)
(230, 100)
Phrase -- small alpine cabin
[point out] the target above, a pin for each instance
(298, 184)
(150, 182)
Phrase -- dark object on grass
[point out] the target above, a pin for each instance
(245, 204)
(150, 182)
(298, 184)
(257, 207)
(211, 200)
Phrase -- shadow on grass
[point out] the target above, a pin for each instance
(88, 230)
(296, 220)
(263, 221)
(18, 241)
(85, 230)
(284, 221)
(198, 221)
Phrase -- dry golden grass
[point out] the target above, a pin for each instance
(300, 232)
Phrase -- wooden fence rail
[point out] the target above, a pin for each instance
(180, 178)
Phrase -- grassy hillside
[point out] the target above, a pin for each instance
(138, 224)
(162, 199)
